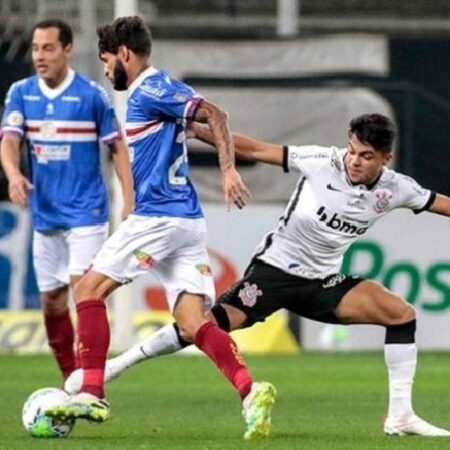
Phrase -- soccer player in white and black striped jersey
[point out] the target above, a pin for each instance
(340, 194)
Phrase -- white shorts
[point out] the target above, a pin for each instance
(59, 254)
(173, 249)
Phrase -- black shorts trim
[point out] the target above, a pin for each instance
(266, 289)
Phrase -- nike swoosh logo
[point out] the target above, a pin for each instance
(332, 188)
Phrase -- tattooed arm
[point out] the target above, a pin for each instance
(233, 187)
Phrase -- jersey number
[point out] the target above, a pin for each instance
(173, 169)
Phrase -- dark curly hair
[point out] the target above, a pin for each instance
(128, 31)
(374, 129)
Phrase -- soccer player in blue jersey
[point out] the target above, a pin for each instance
(166, 234)
(63, 118)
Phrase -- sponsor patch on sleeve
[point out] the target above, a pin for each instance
(14, 119)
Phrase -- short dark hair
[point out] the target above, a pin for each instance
(128, 31)
(65, 30)
(374, 129)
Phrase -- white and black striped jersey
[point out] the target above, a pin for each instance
(326, 212)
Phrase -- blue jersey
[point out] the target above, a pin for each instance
(62, 128)
(158, 107)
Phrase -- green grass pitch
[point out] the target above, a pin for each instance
(325, 401)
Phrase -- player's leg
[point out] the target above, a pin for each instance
(369, 302)
(219, 346)
(59, 328)
(189, 285)
(93, 337)
(260, 293)
(50, 260)
(83, 244)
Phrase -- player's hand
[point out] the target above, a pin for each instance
(18, 189)
(235, 191)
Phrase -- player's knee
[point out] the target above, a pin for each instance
(401, 334)
(54, 302)
(188, 329)
(410, 314)
(87, 289)
(184, 341)
(81, 291)
(402, 313)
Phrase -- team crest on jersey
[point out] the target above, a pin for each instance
(14, 119)
(249, 294)
(204, 269)
(48, 129)
(145, 260)
(383, 201)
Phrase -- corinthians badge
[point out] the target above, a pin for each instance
(382, 203)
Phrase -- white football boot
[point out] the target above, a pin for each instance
(412, 425)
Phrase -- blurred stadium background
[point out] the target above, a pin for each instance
(288, 71)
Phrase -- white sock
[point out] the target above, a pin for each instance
(401, 360)
(162, 342)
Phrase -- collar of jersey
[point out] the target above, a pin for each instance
(148, 72)
(52, 93)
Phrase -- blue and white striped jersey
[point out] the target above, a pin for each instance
(63, 128)
(158, 108)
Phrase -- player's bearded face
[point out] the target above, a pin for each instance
(120, 77)
(363, 163)
(115, 71)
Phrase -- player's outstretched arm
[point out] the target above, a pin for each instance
(245, 147)
(233, 187)
(121, 162)
(217, 121)
(18, 184)
(441, 205)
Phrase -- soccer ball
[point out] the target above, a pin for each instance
(36, 423)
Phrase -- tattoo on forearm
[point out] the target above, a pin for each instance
(224, 146)
(216, 133)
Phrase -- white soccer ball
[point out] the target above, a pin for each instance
(36, 423)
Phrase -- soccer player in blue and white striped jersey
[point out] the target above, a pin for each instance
(63, 117)
(167, 232)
